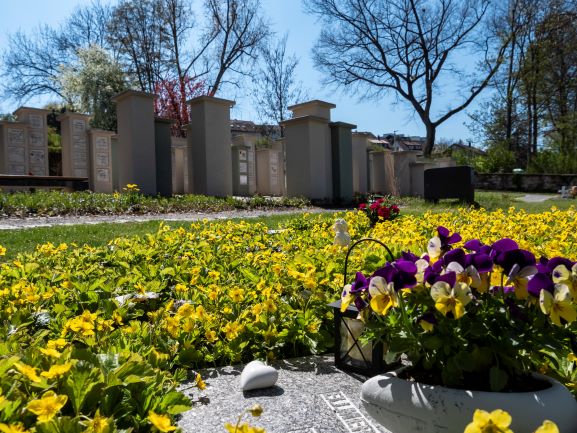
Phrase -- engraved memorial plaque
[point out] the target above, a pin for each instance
(35, 120)
(101, 144)
(17, 169)
(37, 170)
(80, 159)
(102, 160)
(80, 172)
(102, 175)
(242, 155)
(244, 179)
(37, 157)
(36, 139)
(15, 137)
(16, 154)
(78, 126)
(243, 167)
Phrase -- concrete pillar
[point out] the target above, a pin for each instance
(418, 177)
(342, 161)
(308, 151)
(210, 164)
(13, 148)
(101, 171)
(163, 146)
(74, 140)
(360, 162)
(35, 118)
(402, 164)
(136, 148)
(269, 172)
(382, 173)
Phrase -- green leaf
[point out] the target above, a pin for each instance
(498, 379)
(80, 383)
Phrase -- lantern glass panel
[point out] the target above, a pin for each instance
(352, 351)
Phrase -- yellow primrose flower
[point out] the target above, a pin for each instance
(210, 336)
(237, 295)
(383, 295)
(47, 406)
(161, 422)
(57, 370)
(59, 343)
(547, 427)
(199, 382)
(243, 428)
(2, 251)
(451, 299)
(99, 424)
(51, 352)
(497, 421)
(13, 428)
(572, 357)
(558, 305)
(256, 410)
(28, 371)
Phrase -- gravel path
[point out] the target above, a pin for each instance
(31, 222)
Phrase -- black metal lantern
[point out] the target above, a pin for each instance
(350, 353)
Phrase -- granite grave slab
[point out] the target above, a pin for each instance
(311, 396)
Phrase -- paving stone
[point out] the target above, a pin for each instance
(311, 396)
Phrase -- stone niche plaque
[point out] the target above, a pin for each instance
(75, 152)
(13, 148)
(36, 141)
(100, 160)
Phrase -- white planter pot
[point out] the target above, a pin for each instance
(403, 406)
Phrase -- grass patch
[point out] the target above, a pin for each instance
(26, 240)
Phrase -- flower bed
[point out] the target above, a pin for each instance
(103, 336)
(51, 203)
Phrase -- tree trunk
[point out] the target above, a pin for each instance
(430, 140)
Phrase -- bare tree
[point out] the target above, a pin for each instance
(137, 31)
(238, 29)
(408, 47)
(32, 62)
(31, 65)
(275, 85)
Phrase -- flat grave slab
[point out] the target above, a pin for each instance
(311, 396)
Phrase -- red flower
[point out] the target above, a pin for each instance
(363, 206)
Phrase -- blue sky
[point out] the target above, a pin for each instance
(285, 15)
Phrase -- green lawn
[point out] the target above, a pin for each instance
(24, 240)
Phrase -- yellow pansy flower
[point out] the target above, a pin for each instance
(47, 406)
(383, 295)
(558, 305)
(451, 299)
(497, 421)
(161, 422)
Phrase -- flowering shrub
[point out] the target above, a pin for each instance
(379, 209)
(481, 316)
